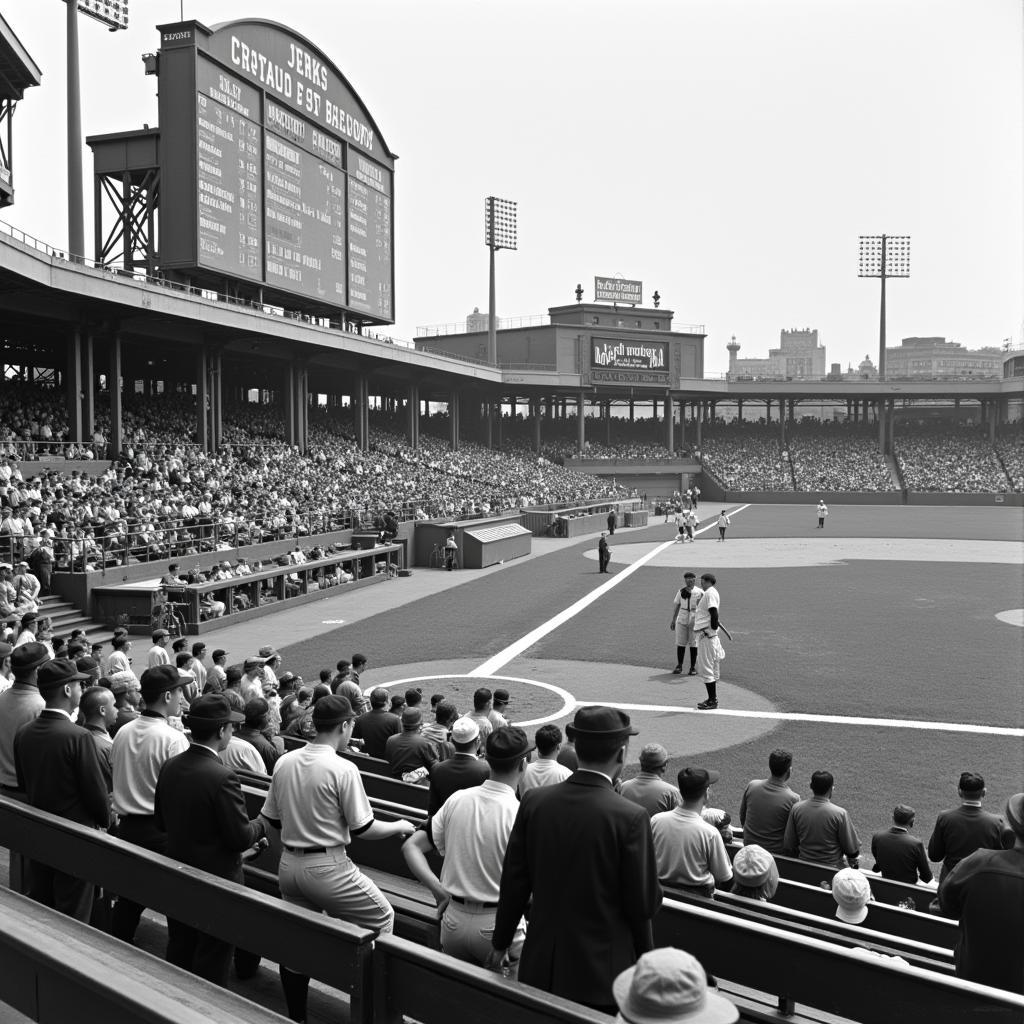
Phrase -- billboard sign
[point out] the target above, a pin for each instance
(646, 356)
(618, 289)
(277, 172)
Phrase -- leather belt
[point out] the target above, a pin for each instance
(306, 849)
(476, 903)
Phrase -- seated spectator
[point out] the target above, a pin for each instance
(852, 893)
(377, 726)
(898, 855)
(820, 831)
(462, 770)
(755, 873)
(690, 852)
(256, 731)
(409, 754)
(649, 789)
(438, 732)
(966, 828)
(766, 803)
(545, 771)
(669, 986)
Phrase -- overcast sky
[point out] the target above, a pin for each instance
(725, 152)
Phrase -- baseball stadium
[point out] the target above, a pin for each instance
(227, 783)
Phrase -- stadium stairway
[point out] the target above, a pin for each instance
(894, 472)
(64, 617)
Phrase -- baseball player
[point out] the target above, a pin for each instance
(822, 512)
(707, 625)
(684, 607)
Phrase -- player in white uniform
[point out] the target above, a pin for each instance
(822, 512)
(680, 520)
(709, 648)
(684, 607)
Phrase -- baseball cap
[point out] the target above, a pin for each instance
(158, 680)
(653, 755)
(27, 657)
(694, 781)
(330, 711)
(669, 986)
(87, 665)
(56, 673)
(852, 893)
(465, 730)
(753, 866)
(501, 697)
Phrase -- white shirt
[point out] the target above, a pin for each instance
(242, 754)
(318, 797)
(157, 656)
(702, 617)
(471, 832)
(545, 771)
(688, 850)
(141, 748)
(687, 606)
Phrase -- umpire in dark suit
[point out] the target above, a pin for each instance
(199, 804)
(59, 769)
(585, 856)
(899, 856)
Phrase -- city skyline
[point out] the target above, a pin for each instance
(727, 154)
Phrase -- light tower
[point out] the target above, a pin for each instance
(499, 233)
(883, 256)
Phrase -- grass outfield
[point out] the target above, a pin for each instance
(876, 635)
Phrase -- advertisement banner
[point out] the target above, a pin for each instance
(648, 356)
(617, 289)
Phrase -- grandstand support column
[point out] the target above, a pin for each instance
(302, 408)
(202, 400)
(88, 389)
(114, 388)
(289, 404)
(413, 416)
(792, 409)
(536, 424)
(73, 384)
(607, 408)
(682, 424)
(700, 433)
(669, 425)
(632, 410)
(880, 411)
(497, 423)
(739, 409)
(216, 402)
(782, 422)
(992, 407)
(581, 428)
(453, 420)
(360, 399)
(767, 410)
(890, 420)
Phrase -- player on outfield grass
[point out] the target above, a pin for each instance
(822, 512)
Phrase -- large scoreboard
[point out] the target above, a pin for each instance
(273, 172)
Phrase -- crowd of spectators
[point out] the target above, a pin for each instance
(746, 457)
(836, 456)
(1010, 449)
(937, 457)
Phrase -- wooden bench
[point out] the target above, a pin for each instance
(333, 952)
(803, 971)
(54, 971)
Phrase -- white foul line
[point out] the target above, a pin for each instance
(792, 716)
(502, 658)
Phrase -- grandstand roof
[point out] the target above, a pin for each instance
(18, 71)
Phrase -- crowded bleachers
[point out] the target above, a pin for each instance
(952, 460)
(834, 456)
(747, 457)
(1010, 449)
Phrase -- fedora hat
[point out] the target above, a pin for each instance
(211, 709)
(597, 720)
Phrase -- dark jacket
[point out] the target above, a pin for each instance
(59, 769)
(460, 771)
(199, 804)
(374, 728)
(265, 747)
(961, 831)
(900, 856)
(408, 750)
(586, 857)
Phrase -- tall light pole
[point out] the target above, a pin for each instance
(113, 14)
(883, 256)
(499, 233)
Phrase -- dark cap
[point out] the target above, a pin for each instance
(87, 664)
(331, 711)
(251, 663)
(27, 657)
(159, 680)
(694, 781)
(509, 743)
(596, 720)
(412, 718)
(218, 653)
(211, 709)
(255, 709)
(1015, 813)
(56, 673)
(971, 782)
(501, 697)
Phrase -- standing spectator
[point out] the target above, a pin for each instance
(586, 858)
(709, 648)
(157, 654)
(690, 852)
(964, 829)
(218, 670)
(985, 891)
(766, 803)
(613, 521)
(462, 770)
(471, 832)
(20, 703)
(98, 713)
(723, 523)
(358, 667)
(684, 610)
(499, 705)
(604, 554)
(6, 676)
(481, 714)
(251, 685)
(649, 789)
(545, 771)
(141, 748)
(409, 754)
(820, 831)
(42, 560)
(318, 802)
(898, 855)
(196, 666)
(200, 806)
(438, 732)
(59, 770)
(377, 725)
(822, 513)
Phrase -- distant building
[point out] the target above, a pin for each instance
(798, 356)
(477, 321)
(936, 357)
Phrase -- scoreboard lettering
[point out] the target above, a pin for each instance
(290, 184)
